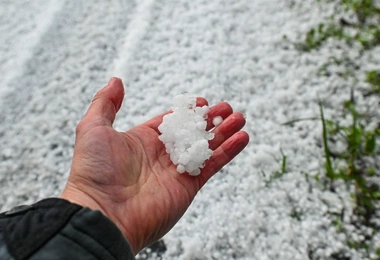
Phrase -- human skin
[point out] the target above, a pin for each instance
(129, 177)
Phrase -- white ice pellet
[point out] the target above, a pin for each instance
(184, 134)
(217, 120)
(180, 168)
(201, 125)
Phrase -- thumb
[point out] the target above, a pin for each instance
(105, 104)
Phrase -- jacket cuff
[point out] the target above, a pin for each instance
(57, 229)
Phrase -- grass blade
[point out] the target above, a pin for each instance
(328, 164)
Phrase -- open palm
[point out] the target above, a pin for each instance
(129, 176)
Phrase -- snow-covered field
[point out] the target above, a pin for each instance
(55, 55)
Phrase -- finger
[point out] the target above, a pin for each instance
(201, 102)
(226, 129)
(223, 155)
(104, 106)
(222, 109)
(106, 103)
(156, 121)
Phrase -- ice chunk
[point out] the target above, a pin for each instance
(180, 168)
(201, 125)
(195, 172)
(217, 120)
(184, 135)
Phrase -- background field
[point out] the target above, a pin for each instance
(266, 204)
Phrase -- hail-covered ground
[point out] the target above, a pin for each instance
(55, 55)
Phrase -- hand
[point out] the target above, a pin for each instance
(129, 177)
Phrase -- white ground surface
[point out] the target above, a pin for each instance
(55, 55)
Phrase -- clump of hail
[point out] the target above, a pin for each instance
(184, 135)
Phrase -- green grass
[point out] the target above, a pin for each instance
(328, 165)
(356, 163)
(361, 144)
(363, 28)
(278, 173)
(373, 78)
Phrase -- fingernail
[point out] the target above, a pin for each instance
(112, 80)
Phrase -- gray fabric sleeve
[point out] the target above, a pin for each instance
(4, 254)
(58, 229)
(88, 235)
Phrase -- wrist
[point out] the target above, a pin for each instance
(76, 196)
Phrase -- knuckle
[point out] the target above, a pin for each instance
(80, 127)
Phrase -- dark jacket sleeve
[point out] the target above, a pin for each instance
(58, 229)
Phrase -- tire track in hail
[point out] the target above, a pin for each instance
(67, 66)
